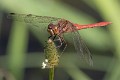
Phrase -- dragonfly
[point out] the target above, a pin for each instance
(58, 26)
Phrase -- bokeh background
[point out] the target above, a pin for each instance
(21, 48)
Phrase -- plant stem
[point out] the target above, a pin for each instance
(51, 73)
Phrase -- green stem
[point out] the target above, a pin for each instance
(51, 73)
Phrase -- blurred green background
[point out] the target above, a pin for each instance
(21, 48)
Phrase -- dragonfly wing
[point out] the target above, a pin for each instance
(81, 47)
(37, 23)
(30, 18)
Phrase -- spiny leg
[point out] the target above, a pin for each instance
(63, 41)
(55, 40)
(60, 41)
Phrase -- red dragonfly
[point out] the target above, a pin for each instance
(57, 27)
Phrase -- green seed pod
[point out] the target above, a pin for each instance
(51, 55)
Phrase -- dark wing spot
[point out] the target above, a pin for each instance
(29, 15)
(12, 13)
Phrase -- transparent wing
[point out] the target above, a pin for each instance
(81, 47)
(37, 23)
(30, 18)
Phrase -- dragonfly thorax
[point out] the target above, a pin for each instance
(61, 27)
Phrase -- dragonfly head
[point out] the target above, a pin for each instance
(53, 29)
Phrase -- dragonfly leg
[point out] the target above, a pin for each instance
(62, 42)
(52, 37)
(55, 40)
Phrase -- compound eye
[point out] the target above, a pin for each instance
(50, 26)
